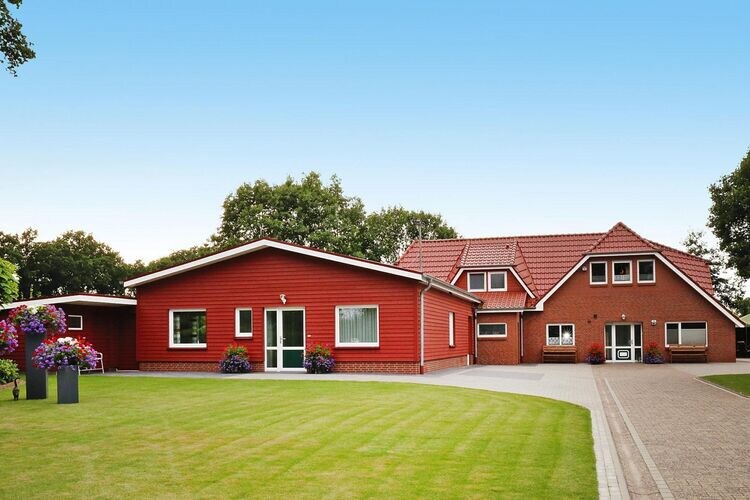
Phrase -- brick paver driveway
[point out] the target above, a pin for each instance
(697, 435)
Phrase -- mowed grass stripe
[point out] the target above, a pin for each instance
(176, 438)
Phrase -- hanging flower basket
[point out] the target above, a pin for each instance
(66, 354)
(36, 323)
(8, 338)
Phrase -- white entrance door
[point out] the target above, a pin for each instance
(623, 342)
(285, 339)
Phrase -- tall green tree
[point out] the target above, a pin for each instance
(730, 216)
(20, 249)
(307, 212)
(8, 282)
(15, 49)
(728, 287)
(390, 231)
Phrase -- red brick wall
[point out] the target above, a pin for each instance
(111, 330)
(442, 364)
(500, 351)
(591, 307)
(179, 366)
(393, 367)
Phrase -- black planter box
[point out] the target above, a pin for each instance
(36, 379)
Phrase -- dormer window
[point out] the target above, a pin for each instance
(498, 281)
(622, 271)
(477, 282)
(598, 274)
(646, 272)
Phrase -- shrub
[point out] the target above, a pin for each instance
(595, 355)
(319, 360)
(235, 360)
(8, 371)
(59, 352)
(653, 354)
(8, 338)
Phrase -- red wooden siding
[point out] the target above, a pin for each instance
(110, 329)
(436, 309)
(256, 280)
(590, 307)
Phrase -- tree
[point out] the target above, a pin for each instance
(8, 282)
(307, 212)
(19, 249)
(390, 231)
(728, 287)
(14, 48)
(730, 216)
(173, 259)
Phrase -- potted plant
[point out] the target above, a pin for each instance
(319, 360)
(595, 355)
(653, 354)
(235, 360)
(35, 323)
(66, 354)
(8, 338)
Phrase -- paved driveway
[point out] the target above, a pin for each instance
(678, 436)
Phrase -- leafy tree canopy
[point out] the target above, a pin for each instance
(728, 287)
(14, 48)
(8, 282)
(730, 216)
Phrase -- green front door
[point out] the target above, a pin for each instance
(285, 339)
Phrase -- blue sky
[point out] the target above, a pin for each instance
(138, 118)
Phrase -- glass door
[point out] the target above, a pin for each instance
(285, 339)
(623, 342)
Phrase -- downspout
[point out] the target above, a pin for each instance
(421, 322)
(476, 344)
(520, 319)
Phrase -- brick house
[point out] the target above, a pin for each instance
(616, 288)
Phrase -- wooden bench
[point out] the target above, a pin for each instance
(688, 353)
(559, 354)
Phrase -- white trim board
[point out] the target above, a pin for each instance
(660, 257)
(494, 268)
(82, 299)
(266, 243)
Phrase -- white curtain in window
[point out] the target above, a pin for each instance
(358, 325)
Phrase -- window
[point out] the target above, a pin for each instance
(451, 329)
(598, 273)
(492, 330)
(646, 271)
(187, 328)
(476, 282)
(621, 272)
(357, 326)
(498, 281)
(243, 322)
(693, 333)
(561, 335)
(75, 322)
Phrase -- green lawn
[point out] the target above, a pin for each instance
(158, 437)
(737, 383)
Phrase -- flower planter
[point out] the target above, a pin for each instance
(36, 378)
(67, 385)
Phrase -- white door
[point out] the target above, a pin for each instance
(285, 339)
(623, 342)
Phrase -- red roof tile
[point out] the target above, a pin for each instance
(502, 300)
(541, 261)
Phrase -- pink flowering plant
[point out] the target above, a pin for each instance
(39, 319)
(59, 352)
(8, 338)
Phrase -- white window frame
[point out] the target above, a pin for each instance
(358, 344)
(591, 273)
(679, 332)
(75, 316)
(479, 336)
(172, 345)
(468, 282)
(451, 329)
(546, 333)
(237, 332)
(614, 276)
(488, 281)
(638, 270)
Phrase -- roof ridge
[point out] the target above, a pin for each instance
(511, 237)
(617, 225)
